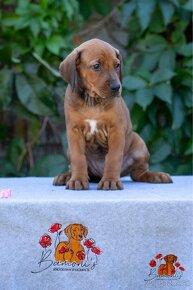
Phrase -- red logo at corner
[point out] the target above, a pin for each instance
(164, 267)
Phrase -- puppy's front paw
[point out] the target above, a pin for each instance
(77, 184)
(111, 184)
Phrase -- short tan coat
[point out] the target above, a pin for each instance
(101, 142)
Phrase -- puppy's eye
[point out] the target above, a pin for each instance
(117, 65)
(96, 66)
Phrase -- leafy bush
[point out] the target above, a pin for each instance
(158, 79)
(37, 35)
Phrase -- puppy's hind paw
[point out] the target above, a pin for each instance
(153, 177)
(62, 179)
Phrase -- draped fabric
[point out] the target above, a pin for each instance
(132, 239)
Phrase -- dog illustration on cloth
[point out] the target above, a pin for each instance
(168, 268)
(72, 250)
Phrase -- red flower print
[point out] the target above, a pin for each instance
(182, 268)
(54, 228)
(96, 250)
(177, 264)
(158, 256)
(152, 263)
(89, 243)
(63, 250)
(45, 241)
(81, 255)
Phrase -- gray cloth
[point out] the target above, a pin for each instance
(130, 227)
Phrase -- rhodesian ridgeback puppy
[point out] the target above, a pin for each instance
(168, 268)
(101, 142)
(72, 250)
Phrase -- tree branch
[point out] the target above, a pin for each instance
(101, 23)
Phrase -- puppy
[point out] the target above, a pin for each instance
(168, 268)
(101, 142)
(72, 250)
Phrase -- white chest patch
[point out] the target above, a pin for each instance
(93, 126)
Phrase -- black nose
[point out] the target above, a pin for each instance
(115, 87)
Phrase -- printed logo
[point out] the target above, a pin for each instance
(165, 268)
(73, 252)
(166, 271)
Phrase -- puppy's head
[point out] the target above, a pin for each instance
(76, 231)
(170, 258)
(95, 67)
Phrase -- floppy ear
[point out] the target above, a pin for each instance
(166, 258)
(118, 55)
(175, 258)
(85, 231)
(68, 231)
(68, 69)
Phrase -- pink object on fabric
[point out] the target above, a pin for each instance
(5, 193)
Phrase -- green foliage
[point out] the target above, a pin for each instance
(159, 80)
(49, 165)
(37, 35)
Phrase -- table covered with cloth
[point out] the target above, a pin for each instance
(133, 239)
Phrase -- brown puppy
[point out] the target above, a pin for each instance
(168, 268)
(101, 142)
(72, 250)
